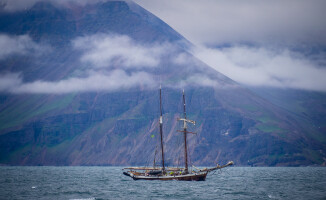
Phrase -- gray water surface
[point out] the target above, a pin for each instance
(109, 183)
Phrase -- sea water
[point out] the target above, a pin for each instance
(109, 183)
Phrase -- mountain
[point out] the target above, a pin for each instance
(80, 87)
(309, 105)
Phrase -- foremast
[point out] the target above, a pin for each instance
(185, 132)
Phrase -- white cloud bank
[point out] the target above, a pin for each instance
(110, 62)
(107, 59)
(21, 44)
(115, 80)
(257, 66)
(198, 80)
(103, 50)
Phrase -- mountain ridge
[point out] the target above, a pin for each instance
(114, 127)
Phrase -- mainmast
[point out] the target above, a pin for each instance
(185, 131)
(161, 130)
(185, 120)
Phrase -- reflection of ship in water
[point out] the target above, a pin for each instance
(172, 173)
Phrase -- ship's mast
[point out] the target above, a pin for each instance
(161, 130)
(185, 120)
(185, 131)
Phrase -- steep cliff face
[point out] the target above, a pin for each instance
(104, 124)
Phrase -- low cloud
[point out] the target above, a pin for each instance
(9, 81)
(109, 50)
(112, 81)
(95, 81)
(109, 62)
(21, 44)
(197, 80)
(258, 66)
(183, 59)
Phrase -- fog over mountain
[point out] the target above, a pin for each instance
(79, 86)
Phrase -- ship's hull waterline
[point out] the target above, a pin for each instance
(187, 177)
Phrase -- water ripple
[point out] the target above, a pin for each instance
(90, 183)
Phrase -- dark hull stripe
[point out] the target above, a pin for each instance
(188, 177)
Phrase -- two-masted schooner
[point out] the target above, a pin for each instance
(172, 173)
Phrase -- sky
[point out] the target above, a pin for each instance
(258, 43)
(215, 22)
(279, 43)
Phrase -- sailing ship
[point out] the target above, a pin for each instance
(172, 173)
